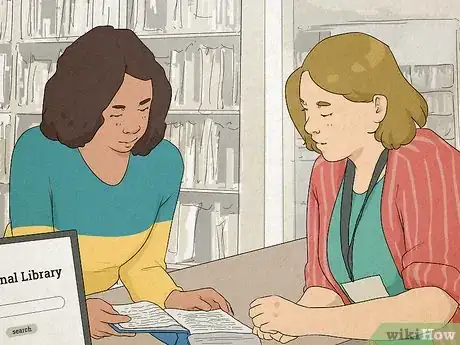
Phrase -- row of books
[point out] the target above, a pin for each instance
(202, 78)
(170, 16)
(205, 77)
(189, 219)
(207, 163)
(430, 77)
(64, 18)
(6, 19)
(31, 80)
(440, 102)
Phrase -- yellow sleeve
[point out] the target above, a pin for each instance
(27, 230)
(144, 275)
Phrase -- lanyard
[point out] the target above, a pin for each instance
(345, 209)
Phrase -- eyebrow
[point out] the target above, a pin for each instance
(144, 101)
(121, 106)
(323, 104)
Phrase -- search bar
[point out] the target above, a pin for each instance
(31, 307)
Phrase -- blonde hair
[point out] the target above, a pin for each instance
(358, 67)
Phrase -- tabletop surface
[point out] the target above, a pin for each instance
(277, 270)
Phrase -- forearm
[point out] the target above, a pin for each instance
(316, 296)
(362, 320)
(145, 274)
(150, 284)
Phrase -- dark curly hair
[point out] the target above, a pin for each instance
(88, 74)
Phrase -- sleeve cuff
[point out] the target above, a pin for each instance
(422, 274)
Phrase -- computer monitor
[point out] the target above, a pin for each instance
(42, 298)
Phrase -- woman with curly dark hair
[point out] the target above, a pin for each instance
(98, 164)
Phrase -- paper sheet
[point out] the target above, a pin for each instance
(144, 315)
(200, 322)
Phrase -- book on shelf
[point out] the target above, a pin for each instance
(204, 77)
(181, 246)
(32, 76)
(6, 146)
(185, 16)
(204, 156)
(6, 19)
(64, 18)
(223, 231)
(224, 234)
(190, 326)
(4, 75)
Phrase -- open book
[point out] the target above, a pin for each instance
(202, 327)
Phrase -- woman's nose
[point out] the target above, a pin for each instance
(311, 128)
(131, 129)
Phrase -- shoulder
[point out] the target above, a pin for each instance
(166, 154)
(165, 162)
(331, 170)
(428, 147)
(427, 158)
(32, 145)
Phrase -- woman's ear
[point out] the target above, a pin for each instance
(380, 106)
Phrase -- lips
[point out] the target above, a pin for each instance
(128, 142)
(318, 142)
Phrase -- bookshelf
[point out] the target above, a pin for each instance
(200, 46)
(433, 73)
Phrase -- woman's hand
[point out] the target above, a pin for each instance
(273, 336)
(100, 314)
(202, 299)
(277, 315)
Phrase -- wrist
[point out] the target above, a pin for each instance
(304, 320)
(173, 296)
(313, 319)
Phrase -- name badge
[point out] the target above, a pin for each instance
(366, 289)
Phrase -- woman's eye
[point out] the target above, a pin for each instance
(144, 109)
(325, 115)
(116, 115)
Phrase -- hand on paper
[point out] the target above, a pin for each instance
(202, 299)
(100, 314)
(273, 336)
(277, 315)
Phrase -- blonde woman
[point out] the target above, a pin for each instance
(396, 260)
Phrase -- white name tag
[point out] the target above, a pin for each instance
(366, 289)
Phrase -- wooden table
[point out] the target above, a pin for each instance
(276, 270)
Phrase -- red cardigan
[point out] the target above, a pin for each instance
(420, 215)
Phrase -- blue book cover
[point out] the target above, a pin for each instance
(179, 337)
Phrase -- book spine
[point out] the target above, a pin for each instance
(173, 248)
(215, 229)
(230, 171)
(3, 69)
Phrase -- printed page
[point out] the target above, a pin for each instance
(145, 316)
(200, 322)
